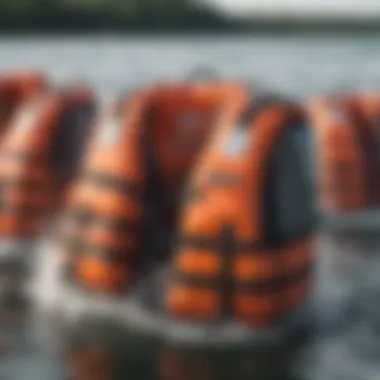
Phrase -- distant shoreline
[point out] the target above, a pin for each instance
(256, 32)
(164, 17)
(167, 17)
(247, 28)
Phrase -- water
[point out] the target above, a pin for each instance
(295, 66)
(299, 66)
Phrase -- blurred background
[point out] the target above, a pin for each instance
(294, 46)
(297, 48)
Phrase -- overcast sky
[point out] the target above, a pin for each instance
(344, 7)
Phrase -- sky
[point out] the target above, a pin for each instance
(359, 8)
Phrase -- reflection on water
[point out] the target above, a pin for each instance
(299, 66)
(345, 343)
(101, 351)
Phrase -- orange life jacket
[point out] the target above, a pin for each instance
(31, 179)
(133, 170)
(347, 147)
(238, 255)
(16, 89)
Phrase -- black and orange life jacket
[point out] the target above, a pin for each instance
(132, 173)
(347, 147)
(244, 248)
(33, 155)
(15, 89)
(105, 205)
(180, 117)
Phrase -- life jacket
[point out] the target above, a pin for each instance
(15, 89)
(135, 166)
(347, 147)
(244, 249)
(32, 174)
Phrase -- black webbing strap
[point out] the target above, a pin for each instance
(116, 224)
(214, 243)
(104, 253)
(68, 141)
(275, 285)
(156, 192)
(227, 248)
(112, 182)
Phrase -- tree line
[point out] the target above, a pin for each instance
(110, 15)
(151, 16)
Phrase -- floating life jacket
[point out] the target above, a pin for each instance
(133, 170)
(16, 89)
(347, 147)
(244, 249)
(33, 173)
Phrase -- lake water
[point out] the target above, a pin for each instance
(295, 66)
(299, 66)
